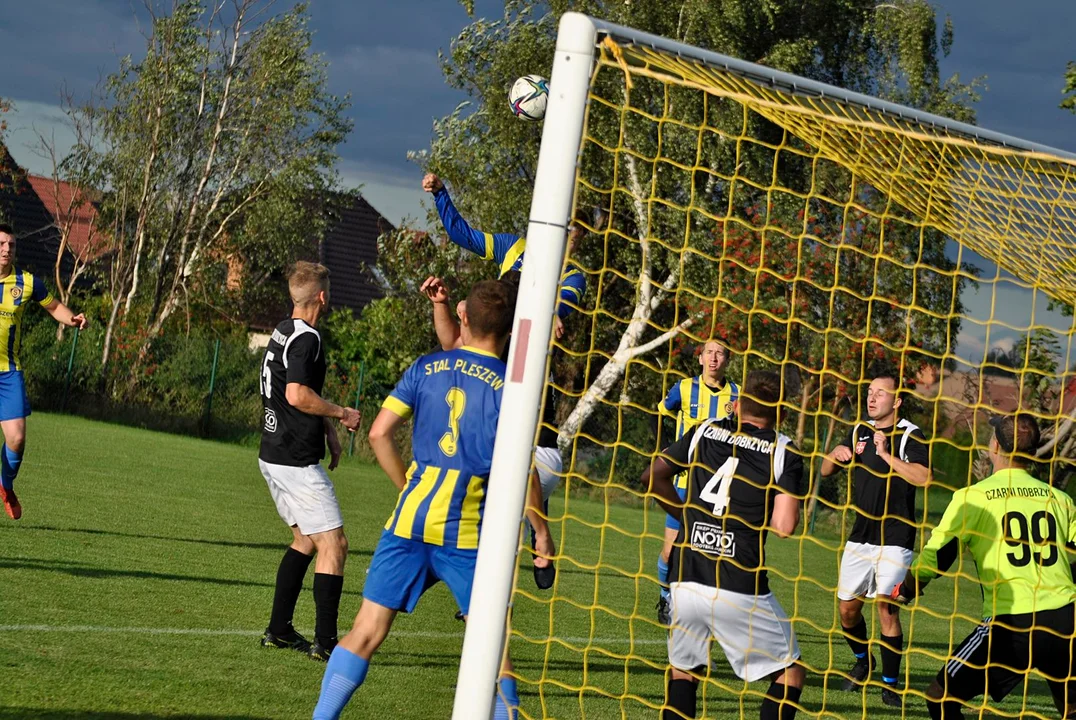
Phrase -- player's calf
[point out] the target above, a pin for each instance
(783, 694)
(680, 696)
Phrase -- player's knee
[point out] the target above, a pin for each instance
(792, 676)
(850, 614)
(935, 691)
(15, 440)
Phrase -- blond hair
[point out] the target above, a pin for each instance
(305, 281)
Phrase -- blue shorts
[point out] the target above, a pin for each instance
(672, 523)
(403, 569)
(13, 401)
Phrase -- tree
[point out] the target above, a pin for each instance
(1069, 101)
(888, 50)
(226, 119)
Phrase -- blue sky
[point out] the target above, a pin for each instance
(385, 55)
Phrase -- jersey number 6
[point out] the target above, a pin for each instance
(716, 491)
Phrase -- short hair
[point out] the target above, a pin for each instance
(720, 340)
(306, 280)
(885, 371)
(760, 395)
(7, 229)
(1019, 434)
(490, 307)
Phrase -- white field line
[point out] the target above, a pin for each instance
(254, 633)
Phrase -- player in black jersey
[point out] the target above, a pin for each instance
(297, 425)
(545, 474)
(889, 459)
(745, 480)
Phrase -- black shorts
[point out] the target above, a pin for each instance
(997, 656)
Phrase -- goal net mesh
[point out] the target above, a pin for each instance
(816, 236)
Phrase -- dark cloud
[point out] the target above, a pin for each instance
(1022, 49)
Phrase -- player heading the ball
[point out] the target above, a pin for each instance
(745, 479)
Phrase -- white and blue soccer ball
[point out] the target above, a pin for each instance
(528, 97)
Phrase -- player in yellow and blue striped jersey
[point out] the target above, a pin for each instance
(507, 249)
(454, 399)
(18, 287)
(691, 401)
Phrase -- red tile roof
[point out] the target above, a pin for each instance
(63, 202)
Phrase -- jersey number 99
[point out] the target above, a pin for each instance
(1019, 533)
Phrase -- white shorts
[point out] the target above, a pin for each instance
(753, 630)
(548, 463)
(871, 570)
(304, 497)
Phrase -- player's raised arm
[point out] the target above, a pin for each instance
(459, 231)
(446, 326)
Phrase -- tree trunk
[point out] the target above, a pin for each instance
(108, 333)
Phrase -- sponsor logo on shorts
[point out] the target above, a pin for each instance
(16, 292)
(860, 447)
(270, 420)
(713, 539)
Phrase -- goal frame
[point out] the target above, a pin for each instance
(551, 205)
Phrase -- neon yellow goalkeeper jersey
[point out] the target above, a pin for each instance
(1016, 528)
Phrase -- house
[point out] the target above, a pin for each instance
(70, 208)
(348, 248)
(35, 224)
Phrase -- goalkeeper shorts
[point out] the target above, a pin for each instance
(403, 569)
(996, 656)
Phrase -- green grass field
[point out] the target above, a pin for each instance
(140, 578)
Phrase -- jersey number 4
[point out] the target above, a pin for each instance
(1027, 534)
(716, 491)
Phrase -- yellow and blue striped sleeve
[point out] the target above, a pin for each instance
(39, 292)
(401, 400)
(672, 402)
(459, 232)
(573, 284)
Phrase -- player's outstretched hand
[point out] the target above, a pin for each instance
(79, 321)
(431, 183)
(558, 327)
(351, 419)
(842, 453)
(435, 290)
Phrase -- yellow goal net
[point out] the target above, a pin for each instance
(817, 233)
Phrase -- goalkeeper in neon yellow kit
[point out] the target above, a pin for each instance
(1019, 530)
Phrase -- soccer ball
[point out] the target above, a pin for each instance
(528, 97)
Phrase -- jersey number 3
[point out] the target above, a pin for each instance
(457, 402)
(716, 491)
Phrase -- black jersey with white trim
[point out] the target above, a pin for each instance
(737, 470)
(294, 355)
(885, 502)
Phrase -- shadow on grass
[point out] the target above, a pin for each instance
(99, 573)
(27, 713)
(280, 546)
